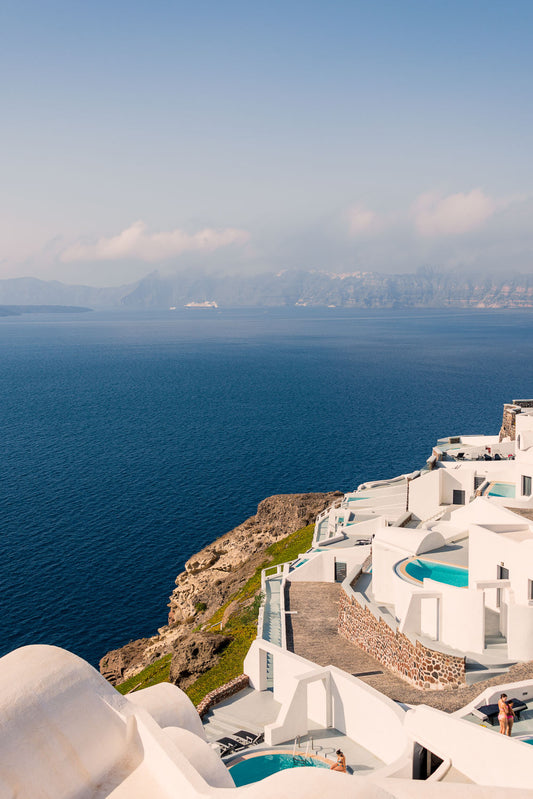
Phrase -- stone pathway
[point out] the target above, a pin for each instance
(312, 633)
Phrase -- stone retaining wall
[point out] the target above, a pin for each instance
(420, 666)
(508, 428)
(224, 692)
(510, 411)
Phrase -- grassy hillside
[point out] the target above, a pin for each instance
(241, 626)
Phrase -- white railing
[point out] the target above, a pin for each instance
(377, 483)
(261, 620)
(282, 614)
(280, 569)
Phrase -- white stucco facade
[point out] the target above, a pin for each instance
(65, 733)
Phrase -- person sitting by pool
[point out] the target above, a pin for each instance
(340, 765)
(506, 715)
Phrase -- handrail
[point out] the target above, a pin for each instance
(441, 511)
(282, 617)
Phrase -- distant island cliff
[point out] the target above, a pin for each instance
(18, 310)
(425, 288)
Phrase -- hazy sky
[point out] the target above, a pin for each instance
(384, 134)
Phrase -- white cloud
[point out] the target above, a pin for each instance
(361, 221)
(136, 242)
(435, 215)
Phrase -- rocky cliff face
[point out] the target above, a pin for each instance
(210, 578)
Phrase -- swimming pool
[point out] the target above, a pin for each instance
(299, 562)
(419, 570)
(253, 769)
(501, 490)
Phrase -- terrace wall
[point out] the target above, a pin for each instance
(223, 692)
(508, 428)
(420, 666)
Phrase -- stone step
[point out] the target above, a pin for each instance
(480, 675)
(224, 718)
(215, 731)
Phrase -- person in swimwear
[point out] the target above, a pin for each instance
(340, 765)
(505, 715)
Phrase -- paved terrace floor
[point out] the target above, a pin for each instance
(312, 633)
(252, 710)
(522, 727)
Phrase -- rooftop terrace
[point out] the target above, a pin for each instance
(252, 710)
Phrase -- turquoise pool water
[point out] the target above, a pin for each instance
(501, 490)
(527, 740)
(300, 563)
(442, 573)
(257, 768)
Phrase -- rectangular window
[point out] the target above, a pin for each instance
(503, 572)
(340, 572)
(526, 485)
(458, 497)
(530, 589)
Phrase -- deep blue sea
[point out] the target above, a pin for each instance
(129, 441)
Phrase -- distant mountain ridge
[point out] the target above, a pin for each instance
(426, 288)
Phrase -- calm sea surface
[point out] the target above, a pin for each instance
(130, 441)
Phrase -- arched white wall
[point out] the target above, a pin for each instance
(169, 707)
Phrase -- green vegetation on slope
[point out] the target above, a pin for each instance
(241, 625)
(151, 675)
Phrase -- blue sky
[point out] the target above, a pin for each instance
(250, 135)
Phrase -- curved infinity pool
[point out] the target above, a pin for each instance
(253, 769)
(419, 569)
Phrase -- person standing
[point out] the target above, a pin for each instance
(505, 715)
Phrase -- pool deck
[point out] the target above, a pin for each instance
(248, 710)
(522, 727)
(252, 710)
(323, 743)
(453, 554)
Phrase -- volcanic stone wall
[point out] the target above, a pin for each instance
(510, 410)
(508, 428)
(221, 693)
(420, 666)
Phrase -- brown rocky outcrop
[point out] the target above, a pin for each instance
(215, 573)
(194, 654)
(210, 578)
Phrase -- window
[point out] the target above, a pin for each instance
(530, 589)
(458, 497)
(503, 572)
(526, 485)
(340, 572)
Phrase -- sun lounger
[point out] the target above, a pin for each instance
(250, 738)
(229, 745)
